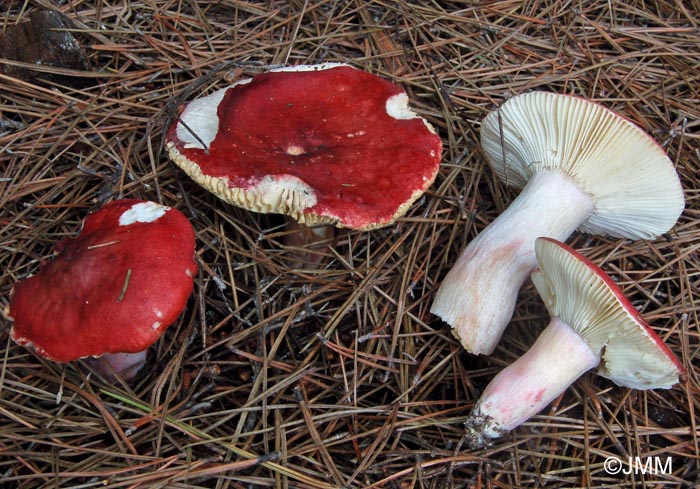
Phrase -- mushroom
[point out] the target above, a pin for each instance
(580, 166)
(112, 290)
(324, 144)
(592, 324)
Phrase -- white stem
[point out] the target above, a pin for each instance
(521, 390)
(478, 295)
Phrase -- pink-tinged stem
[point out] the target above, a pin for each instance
(521, 390)
(478, 295)
(124, 365)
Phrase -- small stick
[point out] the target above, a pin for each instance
(102, 245)
(125, 286)
(194, 134)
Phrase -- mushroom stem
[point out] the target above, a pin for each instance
(478, 295)
(124, 365)
(307, 244)
(524, 388)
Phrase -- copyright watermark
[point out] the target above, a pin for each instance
(638, 465)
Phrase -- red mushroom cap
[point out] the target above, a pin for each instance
(325, 144)
(112, 289)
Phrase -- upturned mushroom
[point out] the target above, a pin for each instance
(592, 324)
(580, 166)
(111, 291)
(324, 144)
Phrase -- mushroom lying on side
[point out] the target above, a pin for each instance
(112, 290)
(581, 166)
(323, 144)
(593, 324)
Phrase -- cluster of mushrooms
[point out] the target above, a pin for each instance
(580, 166)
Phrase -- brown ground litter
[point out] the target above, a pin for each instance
(336, 376)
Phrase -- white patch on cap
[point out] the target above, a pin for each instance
(201, 118)
(295, 150)
(142, 212)
(156, 325)
(397, 107)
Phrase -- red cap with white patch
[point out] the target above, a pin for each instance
(112, 289)
(324, 144)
